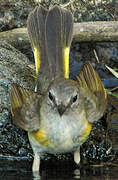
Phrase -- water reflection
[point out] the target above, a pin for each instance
(62, 172)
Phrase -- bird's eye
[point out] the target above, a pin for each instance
(51, 97)
(74, 98)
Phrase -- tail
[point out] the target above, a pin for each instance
(50, 33)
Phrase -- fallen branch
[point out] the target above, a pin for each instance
(96, 31)
(17, 37)
(100, 31)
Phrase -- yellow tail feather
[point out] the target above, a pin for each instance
(66, 52)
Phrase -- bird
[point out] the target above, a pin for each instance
(58, 114)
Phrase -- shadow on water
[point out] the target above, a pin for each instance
(58, 171)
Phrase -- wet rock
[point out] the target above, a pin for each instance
(12, 64)
(14, 13)
(96, 149)
(13, 68)
(112, 123)
(107, 52)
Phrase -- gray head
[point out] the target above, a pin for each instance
(63, 94)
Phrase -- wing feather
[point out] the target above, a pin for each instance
(92, 91)
(24, 108)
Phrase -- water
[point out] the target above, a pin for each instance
(59, 171)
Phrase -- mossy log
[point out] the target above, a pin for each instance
(100, 31)
(96, 31)
(17, 37)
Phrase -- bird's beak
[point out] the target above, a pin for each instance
(61, 109)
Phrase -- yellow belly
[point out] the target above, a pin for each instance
(42, 138)
(86, 133)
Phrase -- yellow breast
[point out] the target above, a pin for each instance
(41, 137)
(86, 133)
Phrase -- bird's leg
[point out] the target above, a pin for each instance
(77, 161)
(36, 84)
(77, 156)
(36, 165)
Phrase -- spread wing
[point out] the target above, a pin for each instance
(92, 91)
(24, 108)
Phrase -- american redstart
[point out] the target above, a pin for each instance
(59, 116)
